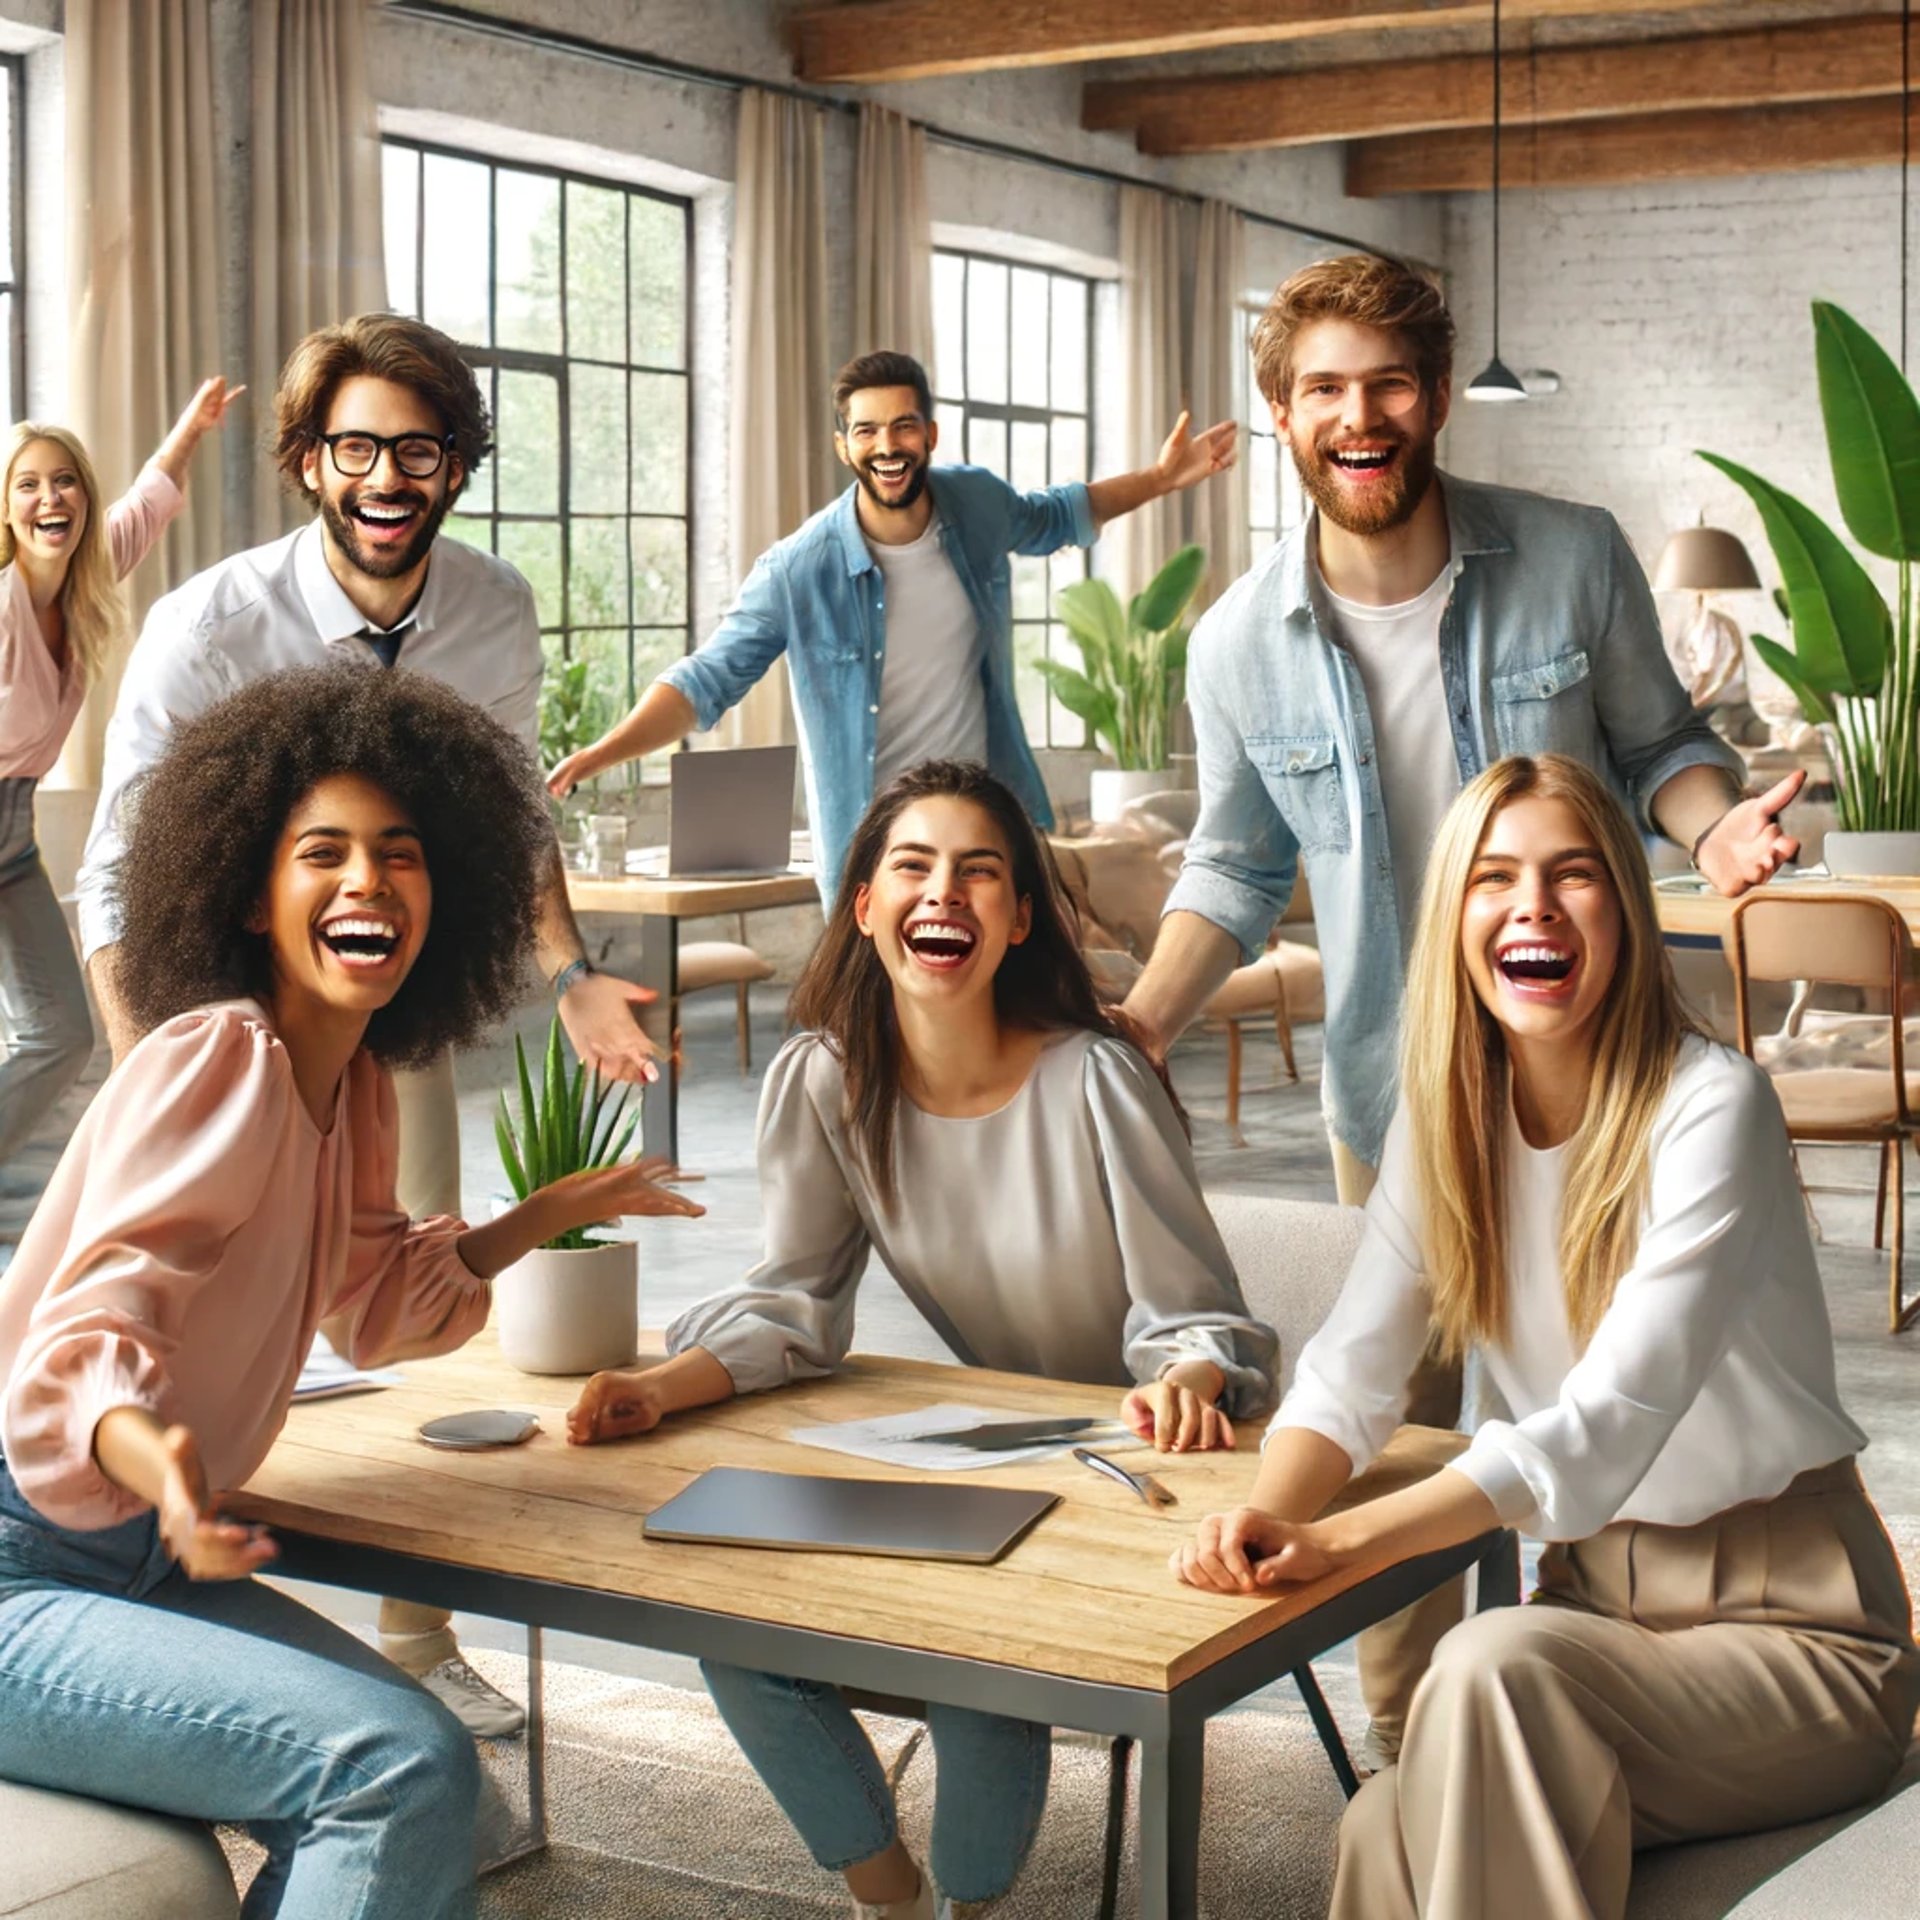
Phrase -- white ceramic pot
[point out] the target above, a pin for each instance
(1874, 856)
(1113, 787)
(570, 1310)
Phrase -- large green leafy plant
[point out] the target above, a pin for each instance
(1853, 661)
(1135, 658)
(568, 1127)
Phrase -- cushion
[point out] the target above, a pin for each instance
(1824, 1039)
(1292, 1258)
(1118, 881)
(720, 963)
(1841, 1097)
(75, 1859)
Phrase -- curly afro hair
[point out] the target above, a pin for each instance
(208, 816)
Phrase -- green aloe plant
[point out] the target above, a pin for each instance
(1135, 659)
(1854, 664)
(568, 1127)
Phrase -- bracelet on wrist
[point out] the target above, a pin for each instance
(1693, 856)
(573, 972)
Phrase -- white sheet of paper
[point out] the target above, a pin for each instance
(894, 1439)
(327, 1372)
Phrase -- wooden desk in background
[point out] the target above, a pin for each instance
(1699, 917)
(660, 904)
(1080, 1625)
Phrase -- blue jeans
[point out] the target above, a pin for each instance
(819, 1764)
(122, 1679)
(43, 1000)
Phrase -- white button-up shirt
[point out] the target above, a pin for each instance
(279, 606)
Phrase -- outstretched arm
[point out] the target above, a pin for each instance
(205, 411)
(662, 715)
(1185, 460)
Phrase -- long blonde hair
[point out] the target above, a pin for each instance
(91, 603)
(1455, 1072)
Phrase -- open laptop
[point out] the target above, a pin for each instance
(730, 815)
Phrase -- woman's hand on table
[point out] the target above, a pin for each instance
(1249, 1551)
(206, 1546)
(616, 1405)
(1176, 1413)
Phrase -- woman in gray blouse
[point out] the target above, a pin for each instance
(960, 1102)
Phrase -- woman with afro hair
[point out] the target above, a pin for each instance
(331, 873)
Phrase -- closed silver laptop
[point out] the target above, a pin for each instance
(730, 814)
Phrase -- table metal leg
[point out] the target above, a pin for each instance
(1328, 1729)
(1172, 1776)
(660, 970)
(536, 1737)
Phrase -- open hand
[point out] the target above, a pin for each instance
(1176, 1418)
(626, 1187)
(597, 1012)
(208, 1547)
(1188, 458)
(1746, 844)
(208, 407)
(614, 1406)
(1247, 1551)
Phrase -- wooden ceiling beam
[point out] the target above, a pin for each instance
(1220, 113)
(1633, 148)
(874, 40)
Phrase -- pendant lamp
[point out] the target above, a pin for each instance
(1496, 380)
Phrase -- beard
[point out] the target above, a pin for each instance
(377, 563)
(1389, 503)
(915, 487)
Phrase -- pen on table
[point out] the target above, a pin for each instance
(1144, 1484)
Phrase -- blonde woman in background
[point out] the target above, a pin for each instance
(1600, 1200)
(62, 560)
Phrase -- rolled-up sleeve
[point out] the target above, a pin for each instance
(1350, 1382)
(751, 636)
(792, 1318)
(1050, 518)
(1240, 862)
(1186, 1299)
(183, 1139)
(406, 1292)
(1652, 728)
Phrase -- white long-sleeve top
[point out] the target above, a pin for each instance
(1710, 1378)
(1063, 1235)
(277, 606)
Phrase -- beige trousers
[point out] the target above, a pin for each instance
(427, 1182)
(1665, 1683)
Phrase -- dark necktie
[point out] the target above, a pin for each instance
(386, 645)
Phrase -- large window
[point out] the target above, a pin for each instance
(13, 148)
(1012, 381)
(569, 297)
(1276, 504)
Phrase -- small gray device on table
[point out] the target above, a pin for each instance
(907, 1519)
(480, 1430)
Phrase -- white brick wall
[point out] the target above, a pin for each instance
(1677, 317)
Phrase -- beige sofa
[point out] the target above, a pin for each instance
(74, 1859)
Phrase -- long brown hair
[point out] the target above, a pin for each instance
(1455, 1071)
(92, 606)
(846, 997)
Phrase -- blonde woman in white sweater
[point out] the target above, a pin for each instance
(1600, 1201)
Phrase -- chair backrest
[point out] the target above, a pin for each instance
(1292, 1257)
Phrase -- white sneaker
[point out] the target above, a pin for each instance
(920, 1907)
(477, 1704)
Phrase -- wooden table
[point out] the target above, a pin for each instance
(661, 904)
(1080, 1625)
(1698, 917)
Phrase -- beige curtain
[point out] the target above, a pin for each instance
(143, 275)
(1217, 390)
(782, 452)
(1155, 249)
(892, 238)
(317, 252)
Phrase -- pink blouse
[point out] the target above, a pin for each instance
(198, 1229)
(37, 699)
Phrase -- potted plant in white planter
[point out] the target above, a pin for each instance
(1136, 662)
(1854, 667)
(573, 1304)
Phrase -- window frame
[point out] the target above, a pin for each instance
(13, 267)
(488, 362)
(1289, 498)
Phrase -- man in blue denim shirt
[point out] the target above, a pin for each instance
(894, 607)
(1414, 629)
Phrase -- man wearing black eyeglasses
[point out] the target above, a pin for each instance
(380, 425)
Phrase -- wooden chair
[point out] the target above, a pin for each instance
(1843, 940)
(723, 963)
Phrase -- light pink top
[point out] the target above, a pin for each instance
(197, 1230)
(37, 699)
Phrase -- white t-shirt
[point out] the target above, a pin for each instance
(1397, 650)
(1710, 1378)
(933, 701)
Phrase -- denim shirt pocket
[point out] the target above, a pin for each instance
(1302, 776)
(1546, 707)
